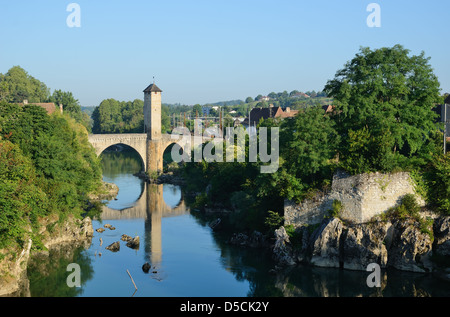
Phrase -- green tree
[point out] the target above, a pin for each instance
(47, 165)
(22, 86)
(197, 109)
(308, 144)
(388, 96)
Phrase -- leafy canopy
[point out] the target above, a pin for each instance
(384, 101)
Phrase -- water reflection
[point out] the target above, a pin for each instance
(188, 258)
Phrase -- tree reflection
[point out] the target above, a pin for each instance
(47, 271)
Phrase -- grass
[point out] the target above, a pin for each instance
(409, 209)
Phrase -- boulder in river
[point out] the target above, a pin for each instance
(126, 238)
(146, 267)
(114, 247)
(133, 243)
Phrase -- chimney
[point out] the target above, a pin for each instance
(288, 109)
(61, 108)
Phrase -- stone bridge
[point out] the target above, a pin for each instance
(150, 151)
(151, 144)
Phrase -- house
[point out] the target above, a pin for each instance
(272, 112)
(50, 107)
(300, 95)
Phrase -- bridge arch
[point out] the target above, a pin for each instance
(138, 142)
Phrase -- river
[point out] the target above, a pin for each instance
(187, 258)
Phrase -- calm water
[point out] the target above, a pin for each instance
(187, 258)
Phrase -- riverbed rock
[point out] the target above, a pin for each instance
(326, 243)
(134, 243)
(255, 240)
(282, 250)
(126, 238)
(411, 248)
(114, 247)
(364, 244)
(146, 267)
(100, 230)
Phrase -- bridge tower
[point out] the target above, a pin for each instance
(152, 111)
(152, 126)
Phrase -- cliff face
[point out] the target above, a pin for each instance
(363, 233)
(13, 266)
(401, 244)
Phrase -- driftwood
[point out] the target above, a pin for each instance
(132, 279)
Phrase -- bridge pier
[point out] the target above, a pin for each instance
(155, 151)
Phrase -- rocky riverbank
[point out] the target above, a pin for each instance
(107, 191)
(403, 244)
(54, 232)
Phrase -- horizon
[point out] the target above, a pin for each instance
(202, 52)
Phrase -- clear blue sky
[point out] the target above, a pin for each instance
(204, 51)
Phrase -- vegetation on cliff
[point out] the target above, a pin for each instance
(47, 167)
(383, 120)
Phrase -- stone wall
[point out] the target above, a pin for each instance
(362, 196)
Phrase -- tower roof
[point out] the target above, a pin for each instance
(152, 88)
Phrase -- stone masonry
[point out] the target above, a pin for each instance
(362, 196)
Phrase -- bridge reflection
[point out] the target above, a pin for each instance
(151, 207)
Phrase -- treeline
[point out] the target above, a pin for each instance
(17, 85)
(383, 121)
(47, 166)
(114, 116)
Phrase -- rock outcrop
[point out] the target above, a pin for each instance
(282, 249)
(326, 244)
(13, 269)
(401, 244)
(441, 228)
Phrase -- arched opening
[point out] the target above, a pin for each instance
(121, 165)
(169, 165)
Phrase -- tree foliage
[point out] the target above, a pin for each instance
(113, 116)
(17, 85)
(47, 166)
(384, 101)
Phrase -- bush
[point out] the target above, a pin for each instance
(437, 177)
(273, 220)
(336, 209)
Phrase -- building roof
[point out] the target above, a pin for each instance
(257, 113)
(272, 112)
(48, 106)
(152, 88)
